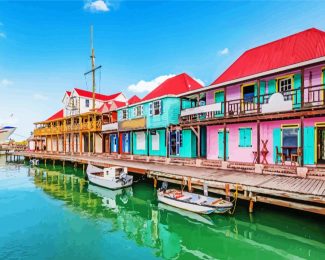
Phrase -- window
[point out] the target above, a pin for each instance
(138, 111)
(245, 137)
(155, 108)
(124, 114)
(289, 140)
(284, 84)
(248, 93)
(87, 102)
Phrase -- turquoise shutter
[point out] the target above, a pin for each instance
(178, 141)
(262, 90)
(220, 144)
(248, 137)
(297, 86)
(227, 145)
(276, 142)
(271, 86)
(220, 98)
(242, 137)
(309, 145)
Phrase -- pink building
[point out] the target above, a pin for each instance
(268, 106)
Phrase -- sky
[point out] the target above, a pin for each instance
(45, 45)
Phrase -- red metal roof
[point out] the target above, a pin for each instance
(68, 93)
(173, 86)
(57, 115)
(89, 94)
(134, 99)
(106, 107)
(299, 47)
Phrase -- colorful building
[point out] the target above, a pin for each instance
(76, 128)
(147, 126)
(268, 106)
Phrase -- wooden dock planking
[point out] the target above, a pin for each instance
(302, 190)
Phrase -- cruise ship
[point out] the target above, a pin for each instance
(6, 132)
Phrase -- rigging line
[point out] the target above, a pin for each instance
(86, 82)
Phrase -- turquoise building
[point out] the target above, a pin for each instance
(151, 121)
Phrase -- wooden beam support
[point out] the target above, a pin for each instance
(224, 142)
(302, 88)
(258, 142)
(302, 140)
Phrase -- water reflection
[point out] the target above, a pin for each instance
(174, 233)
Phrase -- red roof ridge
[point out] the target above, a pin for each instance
(57, 115)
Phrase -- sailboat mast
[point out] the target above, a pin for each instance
(93, 64)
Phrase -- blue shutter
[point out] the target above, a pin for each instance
(241, 137)
(309, 145)
(220, 144)
(150, 108)
(276, 142)
(248, 137)
(271, 86)
(262, 90)
(142, 110)
(297, 86)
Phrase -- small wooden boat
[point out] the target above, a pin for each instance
(112, 178)
(194, 202)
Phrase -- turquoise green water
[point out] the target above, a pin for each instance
(62, 217)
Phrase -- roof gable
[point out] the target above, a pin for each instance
(134, 99)
(174, 86)
(296, 48)
(57, 115)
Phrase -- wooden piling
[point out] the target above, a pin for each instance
(251, 206)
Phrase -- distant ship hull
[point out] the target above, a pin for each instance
(6, 132)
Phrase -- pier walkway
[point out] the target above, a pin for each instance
(307, 194)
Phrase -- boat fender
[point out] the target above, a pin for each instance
(178, 194)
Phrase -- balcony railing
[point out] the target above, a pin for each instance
(109, 127)
(79, 127)
(266, 103)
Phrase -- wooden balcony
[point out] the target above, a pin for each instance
(91, 126)
(292, 100)
(109, 127)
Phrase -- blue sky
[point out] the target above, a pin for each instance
(44, 46)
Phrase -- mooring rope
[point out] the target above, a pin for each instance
(234, 201)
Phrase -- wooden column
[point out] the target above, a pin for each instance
(80, 143)
(72, 143)
(94, 142)
(167, 142)
(258, 96)
(225, 102)
(302, 87)
(89, 142)
(302, 140)
(198, 141)
(57, 143)
(148, 142)
(64, 143)
(224, 142)
(258, 142)
(51, 143)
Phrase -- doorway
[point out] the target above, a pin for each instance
(321, 145)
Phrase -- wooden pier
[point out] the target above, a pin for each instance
(306, 194)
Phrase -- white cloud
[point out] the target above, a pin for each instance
(38, 96)
(5, 83)
(3, 35)
(225, 51)
(96, 6)
(147, 86)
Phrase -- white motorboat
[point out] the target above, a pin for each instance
(193, 202)
(112, 178)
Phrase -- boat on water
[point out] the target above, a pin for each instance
(193, 202)
(6, 132)
(113, 178)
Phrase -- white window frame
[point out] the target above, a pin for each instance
(138, 111)
(124, 114)
(87, 103)
(158, 104)
(285, 87)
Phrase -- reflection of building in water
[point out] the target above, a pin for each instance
(173, 233)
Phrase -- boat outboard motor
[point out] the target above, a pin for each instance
(164, 186)
(123, 177)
